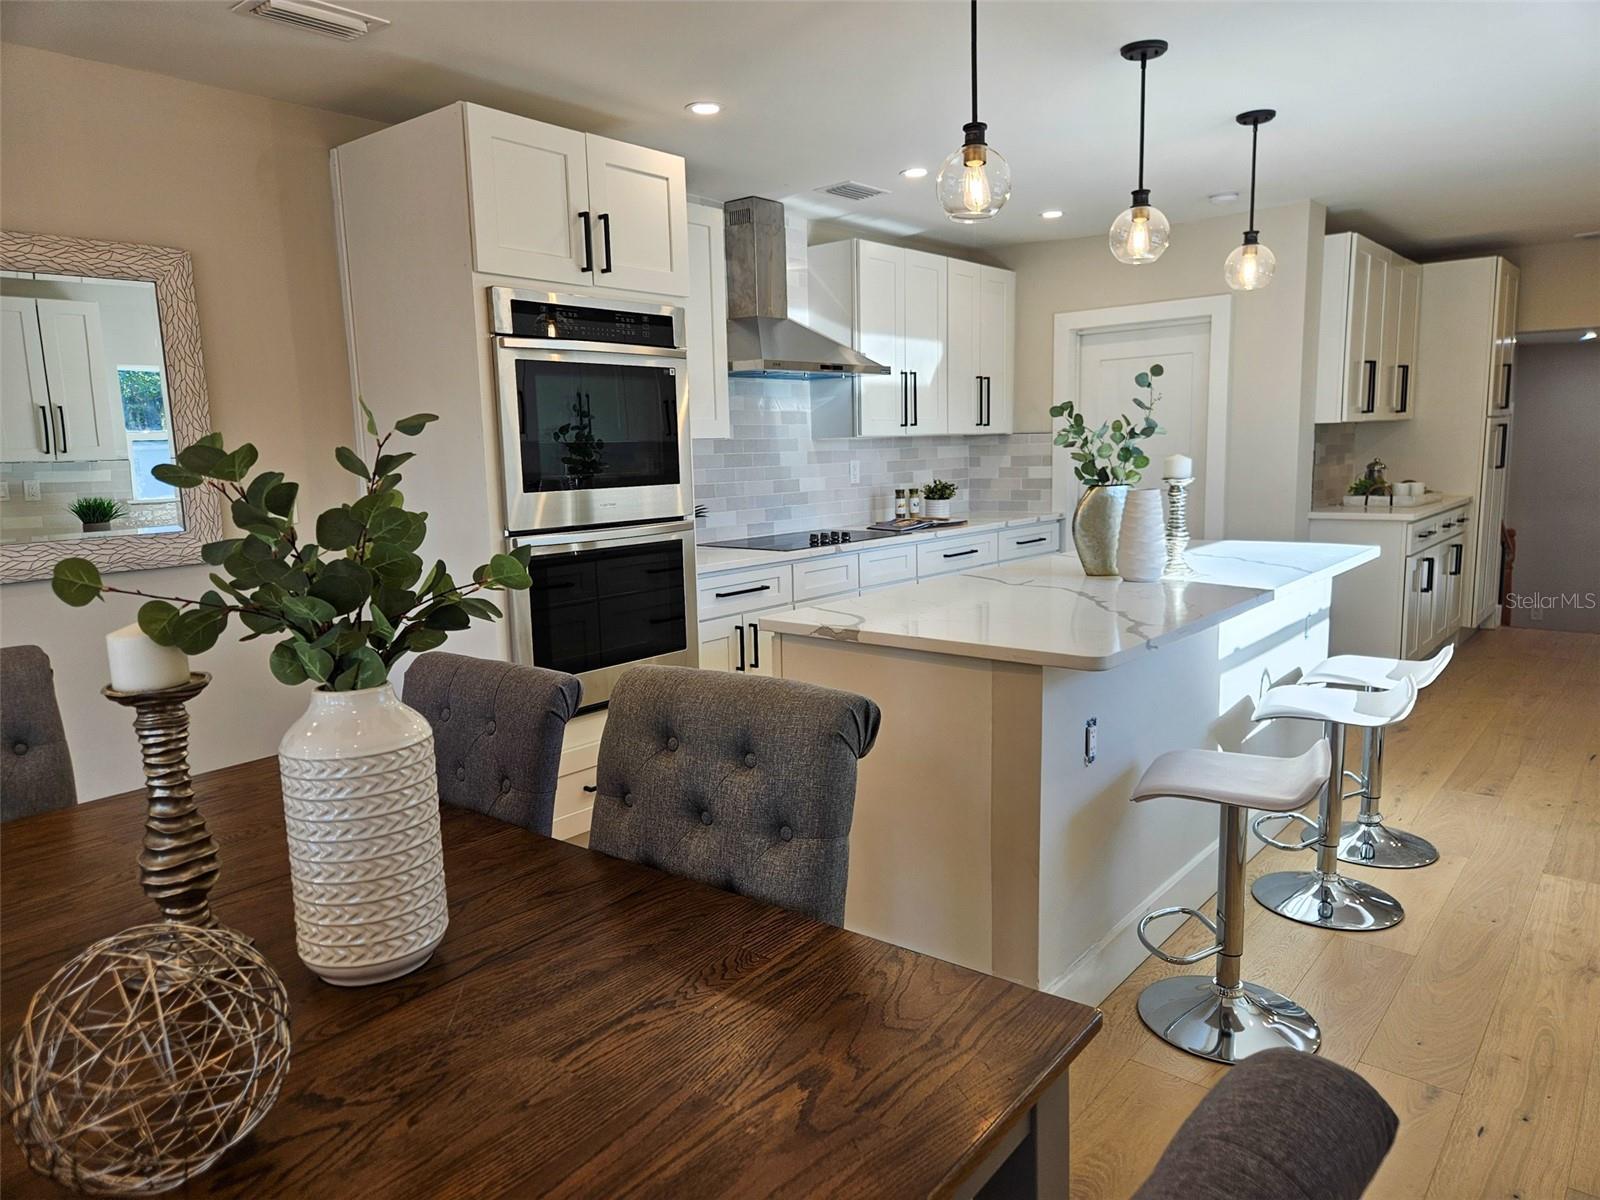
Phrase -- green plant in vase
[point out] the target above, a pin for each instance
(97, 512)
(1107, 458)
(937, 496)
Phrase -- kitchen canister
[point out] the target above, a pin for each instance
(1142, 543)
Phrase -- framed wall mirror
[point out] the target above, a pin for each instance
(101, 379)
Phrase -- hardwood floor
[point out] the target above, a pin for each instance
(1478, 1016)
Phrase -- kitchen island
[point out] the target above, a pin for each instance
(1020, 703)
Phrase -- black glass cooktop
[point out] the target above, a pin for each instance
(805, 540)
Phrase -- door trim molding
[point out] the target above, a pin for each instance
(1069, 330)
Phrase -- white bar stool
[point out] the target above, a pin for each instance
(1220, 1017)
(1366, 841)
(1324, 897)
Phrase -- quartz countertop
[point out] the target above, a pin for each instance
(1045, 611)
(711, 559)
(1433, 504)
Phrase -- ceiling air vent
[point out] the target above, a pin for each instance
(851, 190)
(333, 20)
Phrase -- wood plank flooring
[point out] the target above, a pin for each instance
(1478, 1016)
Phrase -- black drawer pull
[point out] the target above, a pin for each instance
(1032, 541)
(605, 237)
(1428, 586)
(588, 244)
(1371, 404)
(749, 591)
(961, 553)
(590, 788)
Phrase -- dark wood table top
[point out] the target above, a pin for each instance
(588, 1027)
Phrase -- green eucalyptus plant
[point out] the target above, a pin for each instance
(97, 510)
(940, 489)
(349, 604)
(1110, 452)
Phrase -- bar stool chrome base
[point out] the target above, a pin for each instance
(1200, 1017)
(1376, 845)
(1327, 901)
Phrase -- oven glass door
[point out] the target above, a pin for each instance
(592, 438)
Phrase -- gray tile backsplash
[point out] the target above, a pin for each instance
(1333, 465)
(772, 477)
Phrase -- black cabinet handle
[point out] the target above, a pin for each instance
(1500, 455)
(1031, 541)
(44, 419)
(588, 243)
(749, 591)
(1455, 568)
(61, 430)
(676, 617)
(605, 240)
(1405, 388)
(961, 553)
(1428, 586)
(1427, 533)
(914, 414)
(988, 401)
(1371, 404)
(905, 400)
(979, 378)
(1505, 394)
(590, 788)
(755, 646)
(740, 629)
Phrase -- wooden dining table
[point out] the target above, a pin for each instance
(589, 1027)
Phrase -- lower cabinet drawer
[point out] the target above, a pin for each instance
(575, 795)
(1036, 539)
(944, 555)
(828, 575)
(746, 591)
(888, 564)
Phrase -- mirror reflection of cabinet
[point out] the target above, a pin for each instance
(58, 399)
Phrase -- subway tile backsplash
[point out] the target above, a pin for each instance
(772, 477)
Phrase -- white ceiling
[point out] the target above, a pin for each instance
(1430, 126)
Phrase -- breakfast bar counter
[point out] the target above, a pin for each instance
(1020, 703)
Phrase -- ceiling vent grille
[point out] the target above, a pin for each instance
(851, 190)
(346, 24)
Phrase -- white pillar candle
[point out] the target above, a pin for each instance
(1177, 466)
(139, 665)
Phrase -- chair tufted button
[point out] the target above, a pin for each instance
(705, 816)
(672, 743)
(505, 786)
(786, 834)
(490, 728)
(750, 760)
(444, 713)
(19, 747)
(627, 799)
(461, 771)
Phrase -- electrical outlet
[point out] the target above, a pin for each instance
(5, 490)
(30, 489)
(855, 471)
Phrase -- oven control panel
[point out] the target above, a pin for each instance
(549, 320)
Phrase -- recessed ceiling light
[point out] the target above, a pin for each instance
(915, 173)
(1051, 214)
(1223, 197)
(704, 108)
(1589, 336)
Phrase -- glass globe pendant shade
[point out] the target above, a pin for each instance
(1140, 233)
(1249, 268)
(974, 183)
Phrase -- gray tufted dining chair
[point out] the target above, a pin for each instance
(37, 772)
(497, 733)
(742, 782)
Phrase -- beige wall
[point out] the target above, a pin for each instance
(241, 183)
(1560, 284)
(1273, 354)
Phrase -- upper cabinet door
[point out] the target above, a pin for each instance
(84, 403)
(530, 198)
(964, 391)
(997, 301)
(1505, 337)
(1403, 389)
(1366, 331)
(26, 430)
(706, 324)
(923, 334)
(640, 218)
(885, 400)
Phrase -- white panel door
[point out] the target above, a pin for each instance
(761, 646)
(924, 306)
(26, 432)
(1505, 338)
(880, 318)
(1107, 365)
(530, 198)
(997, 326)
(705, 324)
(83, 394)
(1367, 376)
(1491, 510)
(964, 399)
(640, 206)
(721, 644)
(1403, 387)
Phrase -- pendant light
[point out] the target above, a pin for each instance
(1140, 234)
(975, 182)
(1249, 268)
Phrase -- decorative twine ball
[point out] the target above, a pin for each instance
(146, 1057)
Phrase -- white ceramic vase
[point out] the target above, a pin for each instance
(936, 508)
(1142, 542)
(361, 803)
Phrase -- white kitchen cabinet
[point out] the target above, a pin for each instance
(748, 588)
(1491, 513)
(1368, 345)
(945, 555)
(564, 207)
(1507, 278)
(964, 377)
(922, 333)
(887, 565)
(877, 331)
(826, 575)
(60, 402)
(739, 643)
(705, 319)
(1030, 541)
(997, 326)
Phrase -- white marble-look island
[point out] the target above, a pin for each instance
(986, 832)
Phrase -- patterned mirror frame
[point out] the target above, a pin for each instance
(170, 270)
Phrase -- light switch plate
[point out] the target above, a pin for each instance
(30, 489)
(5, 490)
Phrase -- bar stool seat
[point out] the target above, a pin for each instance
(1323, 897)
(1220, 1017)
(1367, 841)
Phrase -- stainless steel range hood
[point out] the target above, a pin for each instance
(762, 341)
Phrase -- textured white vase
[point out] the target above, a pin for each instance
(1142, 543)
(361, 803)
(936, 508)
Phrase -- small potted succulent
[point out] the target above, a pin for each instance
(936, 499)
(97, 512)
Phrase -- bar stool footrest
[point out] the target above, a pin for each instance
(1183, 960)
(1310, 840)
